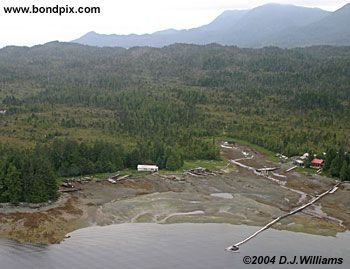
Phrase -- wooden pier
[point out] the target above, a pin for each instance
(332, 190)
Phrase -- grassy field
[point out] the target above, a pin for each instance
(211, 165)
(307, 171)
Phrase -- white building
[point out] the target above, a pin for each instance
(147, 168)
(3, 111)
(299, 162)
(305, 156)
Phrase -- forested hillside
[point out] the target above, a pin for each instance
(165, 105)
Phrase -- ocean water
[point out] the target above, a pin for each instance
(156, 246)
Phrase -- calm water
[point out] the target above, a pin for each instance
(169, 246)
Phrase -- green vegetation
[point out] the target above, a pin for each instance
(212, 165)
(306, 170)
(166, 106)
(26, 176)
(337, 164)
(29, 175)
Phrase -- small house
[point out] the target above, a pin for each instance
(147, 168)
(299, 162)
(3, 111)
(317, 163)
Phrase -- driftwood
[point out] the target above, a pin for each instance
(69, 190)
(199, 171)
(278, 175)
(67, 185)
(292, 168)
(235, 247)
(267, 169)
(115, 176)
(122, 178)
(190, 174)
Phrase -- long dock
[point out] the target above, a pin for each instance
(332, 190)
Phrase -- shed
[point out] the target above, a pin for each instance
(147, 168)
(299, 162)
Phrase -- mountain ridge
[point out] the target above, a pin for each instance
(266, 25)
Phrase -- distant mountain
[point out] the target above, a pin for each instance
(259, 24)
(267, 25)
(331, 30)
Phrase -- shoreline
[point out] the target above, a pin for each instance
(232, 196)
(8, 208)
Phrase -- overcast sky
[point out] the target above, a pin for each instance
(123, 17)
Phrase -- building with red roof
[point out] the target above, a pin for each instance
(317, 163)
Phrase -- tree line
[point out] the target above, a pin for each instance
(30, 175)
(26, 176)
(337, 164)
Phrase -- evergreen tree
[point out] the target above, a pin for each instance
(174, 160)
(330, 155)
(28, 177)
(14, 184)
(335, 166)
(344, 171)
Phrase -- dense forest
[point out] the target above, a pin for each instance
(337, 164)
(30, 175)
(167, 105)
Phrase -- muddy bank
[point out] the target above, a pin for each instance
(43, 225)
(254, 201)
(235, 195)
